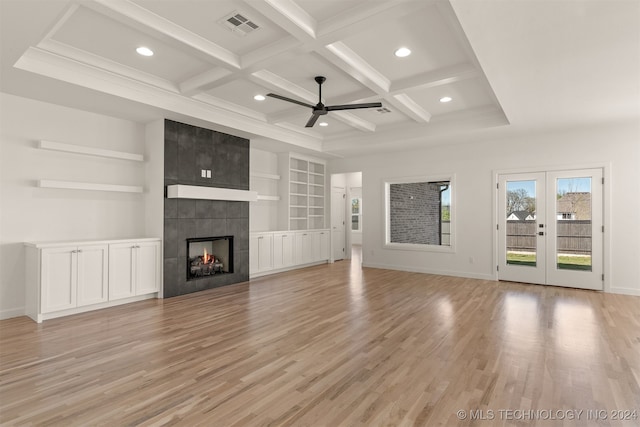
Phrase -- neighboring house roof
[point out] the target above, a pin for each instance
(578, 203)
(521, 216)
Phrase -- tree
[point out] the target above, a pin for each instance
(519, 200)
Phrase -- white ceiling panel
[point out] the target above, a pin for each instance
(327, 9)
(465, 94)
(204, 18)
(301, 70)
(85, 29)
(242, 91)
(425, 32)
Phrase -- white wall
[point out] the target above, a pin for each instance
(474, 165)
(29, 213)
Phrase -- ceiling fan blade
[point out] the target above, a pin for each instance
(312, 121)
(284, 98)
(353, 106)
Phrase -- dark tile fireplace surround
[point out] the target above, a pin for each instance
(187, 150)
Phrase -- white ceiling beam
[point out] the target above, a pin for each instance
(203, 81)
(408, 106)
(229, 106)
(274, 81)
(439, 77)
(363, 17)
(350, 62)
(354, 121)
(82, 56)
(170, 29)
(288, 16)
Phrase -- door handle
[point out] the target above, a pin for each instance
(541, 233)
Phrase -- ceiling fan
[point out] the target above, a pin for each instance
(320, 109)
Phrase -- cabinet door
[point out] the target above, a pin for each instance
(324, 245)
(265, 260)
(278, 250)
(303, 248)
(59, 278)
(92, 274)
(121, 271)
(147, 267)
(315, 246)
(288, 244)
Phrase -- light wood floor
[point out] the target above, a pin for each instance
(328, 346)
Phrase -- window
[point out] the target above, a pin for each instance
(419, 213)
(356, 208)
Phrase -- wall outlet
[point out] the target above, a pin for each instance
(203, 173)
(208, 174)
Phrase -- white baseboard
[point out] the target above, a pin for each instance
(12, 312)
(625, 291)
(430, 271)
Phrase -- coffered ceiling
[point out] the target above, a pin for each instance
(83, 54)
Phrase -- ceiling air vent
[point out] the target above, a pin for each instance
(239, 24)
(383, 110)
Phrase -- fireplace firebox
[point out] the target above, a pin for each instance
(207, 256)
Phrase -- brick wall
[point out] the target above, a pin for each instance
(415, 213)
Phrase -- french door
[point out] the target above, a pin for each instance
(550, 227)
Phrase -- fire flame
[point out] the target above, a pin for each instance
(206, 257)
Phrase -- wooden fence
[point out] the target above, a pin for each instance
(574, 236)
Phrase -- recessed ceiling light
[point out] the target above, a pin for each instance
(323, 124)
(446, 99)
(144, 51)
(402, 52)
(259, 98)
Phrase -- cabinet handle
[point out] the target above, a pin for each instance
(79, 251)
(74, 251)
(260, 237)
(284, 235)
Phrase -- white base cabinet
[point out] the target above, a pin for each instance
(134, 269)
(73, 277)
(276, 251)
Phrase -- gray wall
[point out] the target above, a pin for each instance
(188, 150)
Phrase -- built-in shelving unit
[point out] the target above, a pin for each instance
(304, 187)
(90, 151)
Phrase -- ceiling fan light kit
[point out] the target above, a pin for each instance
(320, 109)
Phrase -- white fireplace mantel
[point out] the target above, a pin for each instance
(210, 193)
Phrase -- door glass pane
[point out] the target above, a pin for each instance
(522, 226)
(573, 216)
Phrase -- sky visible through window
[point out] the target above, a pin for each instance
(565, 185)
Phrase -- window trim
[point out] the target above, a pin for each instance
(417, 246)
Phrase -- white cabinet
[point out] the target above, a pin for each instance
(303, 248)
(134, 269)
(283, 250)
(67, 277)
(72, 276)
(275, 251)
(260, 252)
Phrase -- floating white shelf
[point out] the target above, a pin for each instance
(71, 185)
(210, 193)
(272, 198)
(264, 175)
(99, 152)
